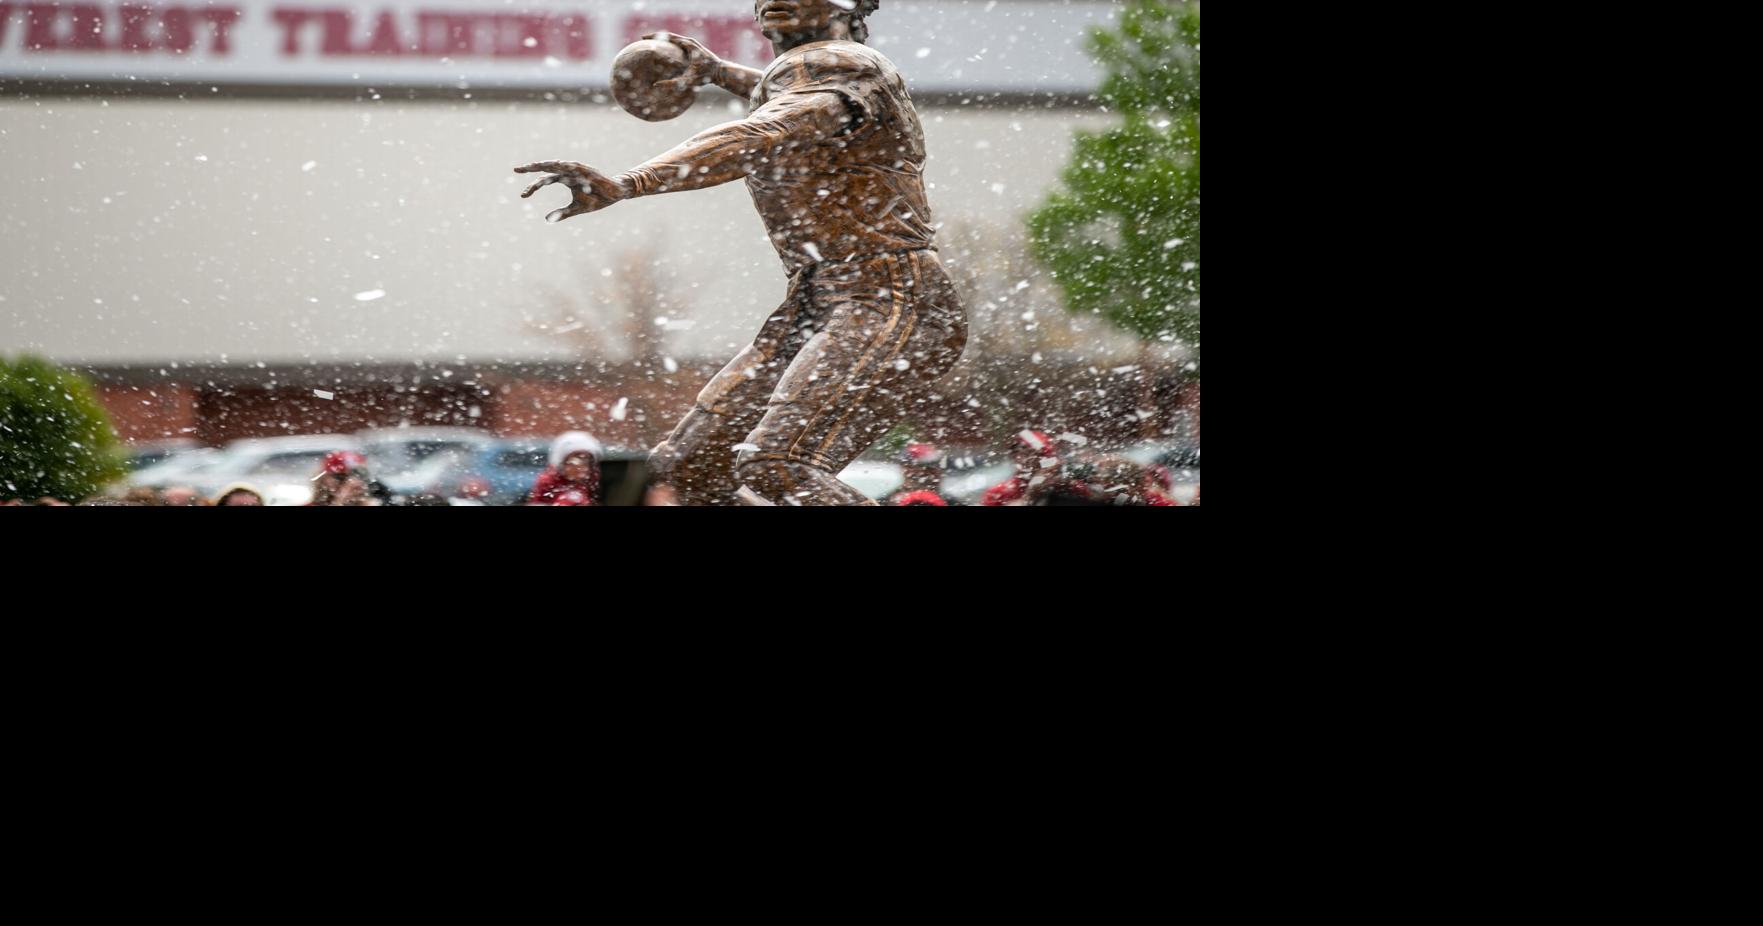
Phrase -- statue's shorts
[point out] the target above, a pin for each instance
(856, 347)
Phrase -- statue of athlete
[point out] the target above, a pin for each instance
(833, 154)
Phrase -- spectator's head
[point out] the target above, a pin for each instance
(144, 496)
(239, 495)
(921, 454)
(576, 456)
(1031, 452)
(342, 481)
(182, 497)
(1118, 481)
(923, 467)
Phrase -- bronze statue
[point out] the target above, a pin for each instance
(833, 154)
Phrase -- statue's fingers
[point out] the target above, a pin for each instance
(555, 178)
(553, 167)
(573, 209)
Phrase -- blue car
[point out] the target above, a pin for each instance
(509, 468)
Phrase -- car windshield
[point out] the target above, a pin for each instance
(397, 458)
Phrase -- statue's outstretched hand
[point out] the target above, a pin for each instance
(590, 189)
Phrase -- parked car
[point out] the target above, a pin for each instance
(178, 470)
(509, 468)
(394, 454)
(281, 467)
(151, 453)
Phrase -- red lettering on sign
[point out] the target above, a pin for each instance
(137, 26)
(335, 23)
(134, 28)
(88, 27)
(179, 34)
(385, 36)
(336, 33)
(291, 19)
(39, 26)
(222, 19)
(512, 32)
(577, 37)
(724, 32)
(731, 37)
(443, 34)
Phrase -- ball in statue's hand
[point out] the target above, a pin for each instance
(637, 70)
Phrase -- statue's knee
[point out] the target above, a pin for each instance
(766, 476)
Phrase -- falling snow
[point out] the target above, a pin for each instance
(200, 305)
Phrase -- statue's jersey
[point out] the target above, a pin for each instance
(859, 193)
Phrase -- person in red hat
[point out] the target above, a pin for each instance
(573, 478)
(922, 474)
(1159, 488)
(342, 483)
(1036, 460)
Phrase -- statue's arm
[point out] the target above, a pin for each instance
(732, 151)
(712, 157)
(737, 79)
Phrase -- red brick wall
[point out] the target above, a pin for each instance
(145, 413)
(651, 409)
(230, 414)
(981, 405)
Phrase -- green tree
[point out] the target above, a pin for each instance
(1122, 237)
(55, 437)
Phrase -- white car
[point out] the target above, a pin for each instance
(282, 468)
(176, 471)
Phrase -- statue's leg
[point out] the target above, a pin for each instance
(698, 458)
(894, 327)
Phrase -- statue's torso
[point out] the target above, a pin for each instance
(860, 192)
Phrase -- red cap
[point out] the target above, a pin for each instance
(923, 454)
(1038, 442)
(343, 461)
(921, 498)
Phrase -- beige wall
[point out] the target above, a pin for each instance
(169, 230)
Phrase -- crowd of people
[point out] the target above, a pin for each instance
(1045, 475)
(1045, 472)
